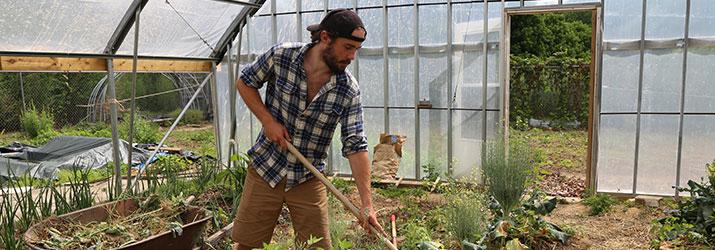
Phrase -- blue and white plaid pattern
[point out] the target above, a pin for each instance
(310, 126)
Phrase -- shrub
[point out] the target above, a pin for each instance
(144, 131)
(34, 122)
(192, 116)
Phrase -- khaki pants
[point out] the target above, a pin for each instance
(261, 205)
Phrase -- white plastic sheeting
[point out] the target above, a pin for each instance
(59, 26)
(638, 149)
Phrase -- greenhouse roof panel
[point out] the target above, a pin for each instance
(59, 26)
(181, 28)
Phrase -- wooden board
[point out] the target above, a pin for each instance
(145, 65)
(75, 64)
(29, 63)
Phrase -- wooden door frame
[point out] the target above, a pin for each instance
(594, 99)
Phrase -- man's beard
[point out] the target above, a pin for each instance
(332, 62)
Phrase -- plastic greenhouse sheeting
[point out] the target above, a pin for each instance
(58, 26)
(64, 152)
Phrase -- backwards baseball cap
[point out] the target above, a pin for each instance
(340, 23)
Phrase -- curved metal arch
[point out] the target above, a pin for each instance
(186, 83)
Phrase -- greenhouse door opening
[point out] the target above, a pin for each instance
(549, 74)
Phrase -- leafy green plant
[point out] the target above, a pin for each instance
(506, 173)
(598, 203)
(414, 234)
(432, 171)
(523, 227)
(144, 131)
(693, 221)
(34, 122)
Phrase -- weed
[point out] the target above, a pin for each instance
(34, 122)
(396, 192)
(191, 116)
(466, 215)
(506, 174)
(144, 131)
(598, 203)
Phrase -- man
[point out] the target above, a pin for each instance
(308, 94)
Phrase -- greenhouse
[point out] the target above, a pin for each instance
(617, 104)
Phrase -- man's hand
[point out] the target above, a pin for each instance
(276, 133)
(371, 216)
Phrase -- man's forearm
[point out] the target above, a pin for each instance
(254, 103)
(360, 165)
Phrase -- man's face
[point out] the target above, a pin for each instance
(341, 51)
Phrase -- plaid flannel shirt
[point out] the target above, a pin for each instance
(310, 125)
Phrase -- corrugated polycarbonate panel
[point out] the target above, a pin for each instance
(466, 142)
(468, 21)
(400, 33)
(700, 81)
(700, 78)
(372, 18)
(164, 33)
(285, 5)
(261, 39)
(702, 19)
(658, 154)
(662, 80)
(433, 79)
(616, 153)
(467, 78)
(433, 20)
(286, 28)
(698, 147)
(400, 127)
(402, 87)
(622, 20)
(371, 81)
(619, 91)
(334, 4)
(59, 26)
(309, 5)
(665, 19)
(433, 139)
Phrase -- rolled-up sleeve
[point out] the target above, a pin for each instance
(260, 71)
(353, 128)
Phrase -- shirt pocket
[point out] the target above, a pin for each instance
(326, 115)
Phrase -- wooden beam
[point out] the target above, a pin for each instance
(146, 65)
(78, 64)
(31, 63)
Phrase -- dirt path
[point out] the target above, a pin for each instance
(621, 228)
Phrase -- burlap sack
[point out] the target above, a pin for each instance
(387, 155)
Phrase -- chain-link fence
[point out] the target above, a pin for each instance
(72, 98)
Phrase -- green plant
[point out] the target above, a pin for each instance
(191, 116)
(144, 131)
(598, 203)
(342, 185)
(466, 215)
(34, 122)
(414, 234)
(506, 174)
(432, 171)
(523, 227)
(693, 222)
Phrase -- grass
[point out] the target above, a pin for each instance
(564, 149)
